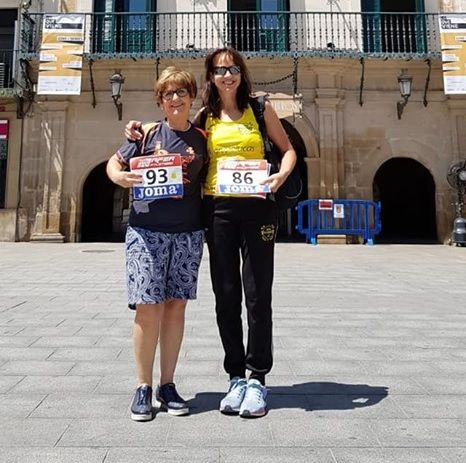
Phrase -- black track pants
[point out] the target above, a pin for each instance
(241, 236)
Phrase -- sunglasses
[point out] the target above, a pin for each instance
(181, 92)
(222, 70)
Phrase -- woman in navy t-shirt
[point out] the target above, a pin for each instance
(164, 240)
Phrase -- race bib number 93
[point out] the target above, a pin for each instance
(162, 177)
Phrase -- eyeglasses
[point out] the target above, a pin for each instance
(222, 70)
(181, 92)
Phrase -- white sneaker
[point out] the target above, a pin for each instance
(231, 403)
(254, 405)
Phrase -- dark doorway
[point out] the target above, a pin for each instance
(287, 220)
(406, 190)
(104, 206)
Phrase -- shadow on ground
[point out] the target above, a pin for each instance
(310, 396)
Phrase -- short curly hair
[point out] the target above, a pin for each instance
(175, 76)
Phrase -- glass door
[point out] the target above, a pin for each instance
(258, 30)
(273, 27)
(420, 27)
(137, 28)
(371, 25)
(130, 32)
(391, 27)
(104, 39)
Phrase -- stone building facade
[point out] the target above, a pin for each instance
(339, 110)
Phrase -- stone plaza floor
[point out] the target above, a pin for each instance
(369, 345)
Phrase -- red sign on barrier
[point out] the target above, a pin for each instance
(325, 204)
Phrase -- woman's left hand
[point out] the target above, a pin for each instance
(275, 181)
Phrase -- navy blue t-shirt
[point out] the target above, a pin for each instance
(171, 215)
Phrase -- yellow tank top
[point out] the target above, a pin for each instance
(239, 139)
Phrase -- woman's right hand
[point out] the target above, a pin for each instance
(132, 130)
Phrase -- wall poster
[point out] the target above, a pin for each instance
(61, 55)
(453, 40)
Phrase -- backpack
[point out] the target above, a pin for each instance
(289, 192)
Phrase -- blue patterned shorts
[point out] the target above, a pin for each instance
(162, 266)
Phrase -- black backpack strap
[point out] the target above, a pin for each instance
(257, 104)
(200, 119)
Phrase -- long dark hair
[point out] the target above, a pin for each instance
(210, 95)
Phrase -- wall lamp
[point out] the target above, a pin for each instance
(25, 5)
(404, 81)
(117, 81)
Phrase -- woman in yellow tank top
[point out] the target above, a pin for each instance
(241, 228)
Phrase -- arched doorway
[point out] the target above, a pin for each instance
(105, 207)
(406, 190)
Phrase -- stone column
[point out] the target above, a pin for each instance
(329, 103)
(53, 129)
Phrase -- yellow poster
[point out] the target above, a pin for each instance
(61, 55)
(453, 40)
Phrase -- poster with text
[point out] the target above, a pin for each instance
(61, 55)
(453, 40)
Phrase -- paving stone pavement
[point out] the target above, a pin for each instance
(370, 361)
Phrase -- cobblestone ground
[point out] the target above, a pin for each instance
(370, 361)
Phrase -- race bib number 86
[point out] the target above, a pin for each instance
(162, 177)
(243, 177)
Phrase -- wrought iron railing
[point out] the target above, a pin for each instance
(120, 35)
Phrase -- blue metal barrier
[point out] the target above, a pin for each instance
(339, 217)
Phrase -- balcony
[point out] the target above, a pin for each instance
(263, 34)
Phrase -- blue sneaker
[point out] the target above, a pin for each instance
(231, 403)
(141, 408)
(254, 405)
(168, 399)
